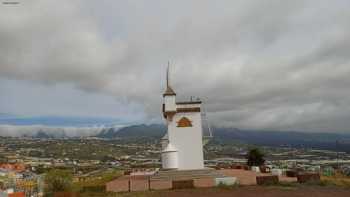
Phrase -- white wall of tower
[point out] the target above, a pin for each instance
(170, 157)
(170, 103)
(182, 147)
(187, 141)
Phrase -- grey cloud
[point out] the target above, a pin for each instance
(257, 64)
(32, 130)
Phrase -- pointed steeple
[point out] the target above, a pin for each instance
(169, 91)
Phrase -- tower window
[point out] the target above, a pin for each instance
(184, 122)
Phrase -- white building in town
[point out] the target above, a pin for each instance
(182, 146)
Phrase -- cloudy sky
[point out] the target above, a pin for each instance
(256, 64)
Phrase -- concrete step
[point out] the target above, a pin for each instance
(186, 174)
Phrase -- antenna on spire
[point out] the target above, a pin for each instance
(167, 75)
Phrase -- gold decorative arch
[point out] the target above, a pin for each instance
(184, 122)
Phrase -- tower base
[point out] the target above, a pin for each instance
(186, 174)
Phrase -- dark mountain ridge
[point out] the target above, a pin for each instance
(134, 131)
(286, 138)
(232, 135)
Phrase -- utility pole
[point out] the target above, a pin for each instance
(336, 147)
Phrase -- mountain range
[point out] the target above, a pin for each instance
(153, 132)
(234, 135)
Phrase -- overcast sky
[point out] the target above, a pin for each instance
(256, 64)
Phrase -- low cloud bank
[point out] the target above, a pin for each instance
(33, 130)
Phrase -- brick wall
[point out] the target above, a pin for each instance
(183, 184)
(139, 185)
(266, 180)
(118, 185)
(204, 182)
(17, 194)
(161, 185)
(313, 177)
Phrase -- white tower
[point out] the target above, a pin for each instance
(182, 147)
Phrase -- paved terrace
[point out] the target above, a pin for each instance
(201, 179)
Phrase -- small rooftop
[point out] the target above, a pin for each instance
(169, 91)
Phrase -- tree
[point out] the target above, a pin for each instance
(58, 181)
(255, 157)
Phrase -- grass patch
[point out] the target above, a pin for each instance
(96, 183)
(336, 180)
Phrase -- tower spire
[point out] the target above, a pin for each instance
(167, 75)
(169, 91)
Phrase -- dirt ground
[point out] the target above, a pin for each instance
(249, 191)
